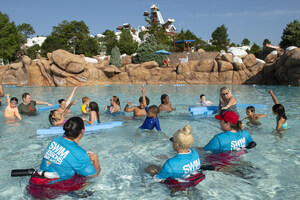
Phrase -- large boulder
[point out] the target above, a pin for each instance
(15, 66)
(206, 65)
(35, 77)
(68, 62)
(139, 75)
(224, 66)
(126, 60)
(183, 68)
(149, 65)
(225, 77)
(270, 58)
(26, 61)
(227, 57)
(249, 60)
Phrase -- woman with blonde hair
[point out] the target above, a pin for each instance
(227, 101)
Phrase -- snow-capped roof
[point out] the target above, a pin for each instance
(35, 40)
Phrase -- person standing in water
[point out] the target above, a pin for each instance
(28, 106)
(165, 104)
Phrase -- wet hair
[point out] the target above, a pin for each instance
(73, 127)
(251, 108)
(51, 119)
(94, 107)
(279, 109)
(153, 109)
(164, 96)
(25, 95)
(14, 99)
(202, 95)
(184, 137)
(116, 99)
(85, 99)
(61, 100)
(147, 100)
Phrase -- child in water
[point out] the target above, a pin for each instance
(58, 119)
(165, 104)
(203, 100)
(85, 105)
(94, 114)
(151, 120)
(11, 110)
(279, 110)
(252, 117)
(63, 103)
(114, 105)
(138, 111)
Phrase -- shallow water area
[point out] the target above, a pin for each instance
(269, 171)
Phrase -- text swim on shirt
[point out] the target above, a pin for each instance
(228, 141)
(150, 122)
(66, 158)
(180, 165)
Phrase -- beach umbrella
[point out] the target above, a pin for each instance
(162, 52)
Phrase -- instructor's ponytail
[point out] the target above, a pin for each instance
(73, 127)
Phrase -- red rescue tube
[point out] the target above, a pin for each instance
(220, 160)
(183, 184)
(41, 188)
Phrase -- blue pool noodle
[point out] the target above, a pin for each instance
(56, 106)
(58, 130)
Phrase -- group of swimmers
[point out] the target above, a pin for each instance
(184, 164)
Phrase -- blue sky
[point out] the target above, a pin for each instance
(255, 19)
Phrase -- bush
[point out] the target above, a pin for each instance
(115, 58)
(33, 50)
(291, 35)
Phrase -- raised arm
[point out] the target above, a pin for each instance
(8, 100)
(68, 107)
(273, 97)
(144, 97)
(71, 96)
(127, 109)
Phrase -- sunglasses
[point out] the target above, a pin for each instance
(171, 139)
(224, 94)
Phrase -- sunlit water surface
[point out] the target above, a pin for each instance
(272, 171)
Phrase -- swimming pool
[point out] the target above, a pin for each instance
(124, 152)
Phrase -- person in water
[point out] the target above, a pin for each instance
(64, 158)
(28, 106)
(278, 109)
(165, 104)
(1, 93)
(85, 105)
(203, 100)
(63, 103)
(185, 162)
(252, 117)
(11, 110)
(227, 101)
(94, 114)
(234, 137)
(138, 111)
(114, 105)
(58, 119)
(151, 120)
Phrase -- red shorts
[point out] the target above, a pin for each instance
(40, 187)
(191, 181)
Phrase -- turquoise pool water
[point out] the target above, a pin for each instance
(272, 169)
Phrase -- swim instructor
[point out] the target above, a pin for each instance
(28, 106)
(66, 158)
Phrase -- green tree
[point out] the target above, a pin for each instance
(159, 34)
(10, 39)
(115, 58)
(67, 30)
(110, 40)
(232, 44)
(89, 47)
(255, 49)
(26, 30)
(126, 43)
(245, 42)
(188, 35)
(220, 38)
(291, 35)
(265, 42)
(145, 52)
(53, 43)
(33, 50)
(142, 35)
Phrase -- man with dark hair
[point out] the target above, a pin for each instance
(28, 106)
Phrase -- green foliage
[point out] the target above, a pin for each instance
(245, 42)
(232, 44)
(126, 43)
(67, 30)
(89, 47)
(188, 35)
(145, 52)
(142, 34)
(115, 58)
(10, 39)
(159, 34)
(32, 51)
(53, 43)
(220, 38)
(110, 40)
(291, 35)
(255, 49)
(210, 48)
(26, 30)
(265, 42)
